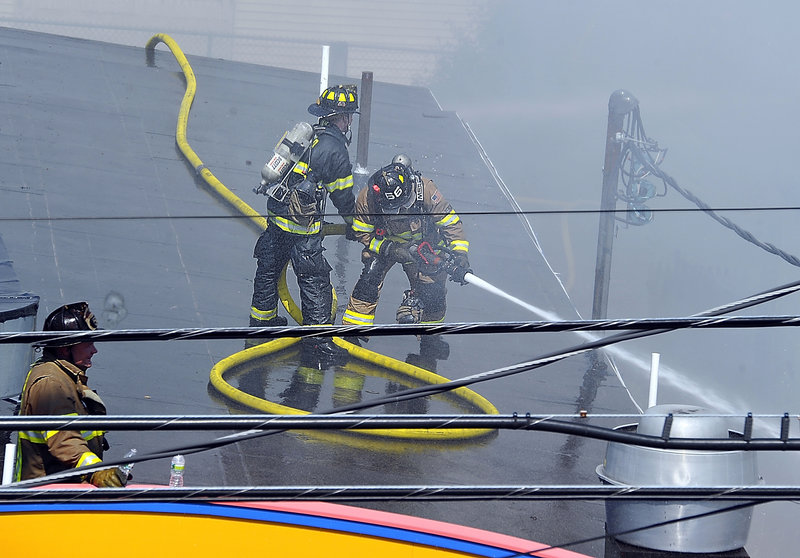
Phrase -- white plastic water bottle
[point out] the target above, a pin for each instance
(125, 469)
(176, 471)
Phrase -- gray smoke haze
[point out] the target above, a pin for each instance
(717, 85)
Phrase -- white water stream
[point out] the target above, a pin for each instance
(638, 363)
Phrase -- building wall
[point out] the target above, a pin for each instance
(400, 42)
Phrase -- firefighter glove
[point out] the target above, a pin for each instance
(396, 252)
(261, 188)
(107, 478)
(460, 267)
(349, 233)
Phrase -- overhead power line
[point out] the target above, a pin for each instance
(499, 213)
(577, 425)
(461, 328)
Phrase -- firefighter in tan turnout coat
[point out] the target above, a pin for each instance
(401, 217)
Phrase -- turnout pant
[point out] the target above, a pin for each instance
(430, 289)
(274, 248)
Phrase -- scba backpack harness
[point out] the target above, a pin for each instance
(304, 199)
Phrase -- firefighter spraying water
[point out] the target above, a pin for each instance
(425, 254)
(402, 218)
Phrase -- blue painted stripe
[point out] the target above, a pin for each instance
(288, 518)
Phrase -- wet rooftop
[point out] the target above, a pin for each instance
(100, 205)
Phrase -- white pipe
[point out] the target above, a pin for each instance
(651, 400)
(8, 463)
(323, 75)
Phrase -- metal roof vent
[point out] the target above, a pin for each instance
(640, 466)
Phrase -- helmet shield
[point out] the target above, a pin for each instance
(393, 187)
(70, 317)
(336, 100)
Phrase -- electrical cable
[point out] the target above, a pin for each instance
(382, 330)
(641, 147)
(709, 513)
(419, 493)
(413, 393)
(495, 213)
(515, 422)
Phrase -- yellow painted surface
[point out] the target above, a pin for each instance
(112, 534)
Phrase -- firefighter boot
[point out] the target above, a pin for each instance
(410, 310)
(324, 351)
(277, 321)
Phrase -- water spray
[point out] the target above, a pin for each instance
(673, 377)
(473, 279)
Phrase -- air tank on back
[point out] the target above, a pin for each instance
(288, 151)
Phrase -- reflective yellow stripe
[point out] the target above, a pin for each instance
(85, 434)
(33, 436)
(263, 314)
(301, 168)
(89, 434)
(375, 245)
(356, 318)
(18, 465)
(340, 184)
(42, 436)
(405, 236)
(361, 226)
(449, 219)
(88, 458)
(460, 245)
(439, 321)
(292, 227)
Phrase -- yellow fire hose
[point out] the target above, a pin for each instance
(237, 359)
(414, 372)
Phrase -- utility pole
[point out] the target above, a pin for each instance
(620, 104)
